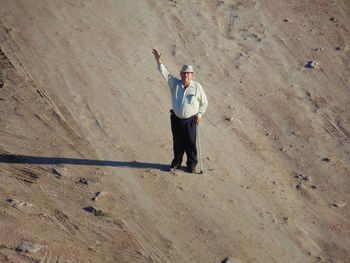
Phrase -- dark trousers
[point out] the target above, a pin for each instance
(184, 140)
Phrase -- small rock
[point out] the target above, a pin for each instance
(311, 64)
(333, 19)
(339, 205)
(306, 178)
(30, 247)
(83, 181)
(320, 102)
(221, 3)
(339, 48)
(326, 159)
(16, 203)
(285, 20)
(313, 186)
(299, 186)
(285, 219)
(298, 176)
(98, 195)
(296, 133)
(180, 188)
(59, 171)
(90, 209)
(229, 260)
(230, 119)
(319, 49)
(95, 211)
(282, 149)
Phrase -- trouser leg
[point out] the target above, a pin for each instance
(178, 141)
(190, 130)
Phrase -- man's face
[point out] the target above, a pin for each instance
(186, 78)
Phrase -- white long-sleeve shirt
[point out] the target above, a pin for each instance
(186, 102)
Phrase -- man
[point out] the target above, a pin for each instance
(189, 103)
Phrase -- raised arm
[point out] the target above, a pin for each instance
(162, 69)
(157, 55)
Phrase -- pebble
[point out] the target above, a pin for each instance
(95, 211)
(30, 247)
(326, 159)
(299, 186)
(229, 260)
(298, 176)
(180, 188)
(59, 171)
(98, 195)
(17, 203)
(83, 181)
(306, 178)
(338, 205)
(311, 64)
(319, 49)
(230, 119)
(297, 133)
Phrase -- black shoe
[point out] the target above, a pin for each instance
(191, 170)
(175, 164)
(173, 168)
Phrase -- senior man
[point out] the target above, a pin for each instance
(189, 102)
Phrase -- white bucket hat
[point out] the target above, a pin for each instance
(187, 68)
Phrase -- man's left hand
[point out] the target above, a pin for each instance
(197, 120)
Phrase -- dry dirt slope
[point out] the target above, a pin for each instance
(80, 93)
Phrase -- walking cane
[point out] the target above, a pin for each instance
(199, 151)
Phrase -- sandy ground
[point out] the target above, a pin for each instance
(85, 134)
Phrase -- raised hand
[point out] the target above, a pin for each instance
(157, 55)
